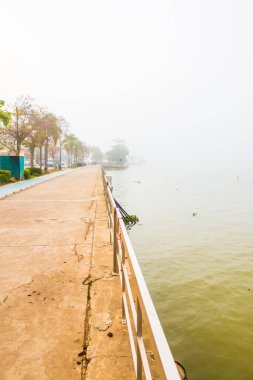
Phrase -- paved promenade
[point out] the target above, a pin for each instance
(60, 303)
(10, 189)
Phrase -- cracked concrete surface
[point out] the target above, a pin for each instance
(55, 277)
(108, 353)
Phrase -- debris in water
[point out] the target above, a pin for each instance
(129, 220)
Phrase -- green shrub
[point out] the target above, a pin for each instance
(27, 173)
(4, 178)
(35, 171)
(7, 173)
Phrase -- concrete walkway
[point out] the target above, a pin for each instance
(13, 188)
(60, 304)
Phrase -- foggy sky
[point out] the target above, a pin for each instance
(172, 78)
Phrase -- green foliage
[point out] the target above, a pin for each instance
(5, 176)
(6, 173)
(134, 218)
(5, 116)
(130, 221)
(28, 125)
(75, 149)
(27, 173)
(35, 171)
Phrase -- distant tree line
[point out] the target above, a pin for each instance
(26, 125)
(118, 153)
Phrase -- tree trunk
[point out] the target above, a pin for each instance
(18, 149)
(46, 156)
(60, 154)
(53, 157)
(32, 158)
(41, 157)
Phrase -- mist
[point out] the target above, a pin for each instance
(172, 78)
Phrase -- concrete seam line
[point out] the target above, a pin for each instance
(86, 339)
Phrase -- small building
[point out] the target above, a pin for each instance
(15, 164)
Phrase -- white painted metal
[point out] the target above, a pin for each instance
(166, 367)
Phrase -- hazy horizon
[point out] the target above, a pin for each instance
(173, 79)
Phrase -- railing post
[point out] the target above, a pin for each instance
(123, 284)
(109, 210)
(115, 241)
(139, 335)
(109, 180)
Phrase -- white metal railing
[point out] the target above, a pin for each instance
(150, 350)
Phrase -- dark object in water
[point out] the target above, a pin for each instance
(129, 220)
(181, 370)
(194, 214)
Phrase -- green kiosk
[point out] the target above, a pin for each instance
(16, 165)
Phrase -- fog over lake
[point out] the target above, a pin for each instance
(173, 78)
(194, 243)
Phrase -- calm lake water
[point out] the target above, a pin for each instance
(199, 269)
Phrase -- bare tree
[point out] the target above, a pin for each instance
(14, 133)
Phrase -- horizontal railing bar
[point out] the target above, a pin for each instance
(129, 291)
(111, 197)
(130, 332)
(139, 339)
(119, 249)
(144, 358)
(130, 296)
(129, 327)
(134, 315)
(166, 358)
